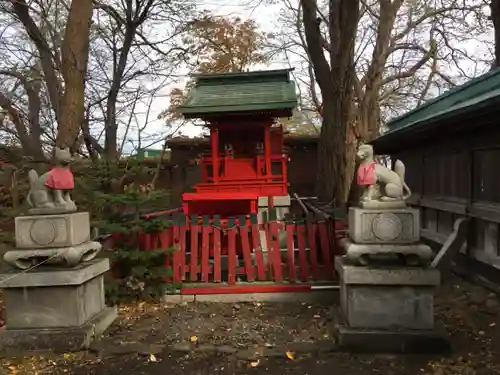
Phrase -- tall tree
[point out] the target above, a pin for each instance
(134, 50)
(66, 97)
(225, 44)
(220, 45)
(126, 33)
(406, 53)
(336, 82)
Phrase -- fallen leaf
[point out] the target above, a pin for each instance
(255, 363)
(289, 355)
(152, 358)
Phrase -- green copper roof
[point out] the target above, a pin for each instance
(455, 109)
(467, 95)
(225, 93)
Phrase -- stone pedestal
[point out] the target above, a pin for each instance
(383, 231)
(62, 239)
(55, 308)
(379, 226)
(58, 230)
(389, 309)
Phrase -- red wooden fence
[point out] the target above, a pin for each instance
(208, 250)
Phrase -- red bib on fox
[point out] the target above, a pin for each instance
(60, 179)
(366, 174)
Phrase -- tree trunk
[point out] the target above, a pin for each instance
(111, 134)
(75, 51)
(21, 9)
(336, 83)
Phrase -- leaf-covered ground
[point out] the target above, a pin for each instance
(261, 338)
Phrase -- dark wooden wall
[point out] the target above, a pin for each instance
(454, 176)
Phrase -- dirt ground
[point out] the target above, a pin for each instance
(261, 338)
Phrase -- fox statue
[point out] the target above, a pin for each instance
(392, 185)
(52, 190)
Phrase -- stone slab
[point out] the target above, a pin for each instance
(49, 231)
(387, 298)
(327, 296)
(383, 205)
(54, 306)
(66, 256)
(416, 276)
(54, 276)
(52, 210)
(278, 201)
(432, 341)
(415, 254)
(380, 226)
(58, 339)
(387, 307)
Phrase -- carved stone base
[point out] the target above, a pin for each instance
(390, 298)
(54, 308)
(66, 256)
(372, 226)
(53, 210)
(50, 231)
(417, 254)
(63, 339)
(382, 205)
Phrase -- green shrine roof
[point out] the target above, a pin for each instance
(468, 95)
(455, 108)
(231, 93)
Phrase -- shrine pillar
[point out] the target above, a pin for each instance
(214, 136)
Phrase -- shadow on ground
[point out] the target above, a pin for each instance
(251, 338)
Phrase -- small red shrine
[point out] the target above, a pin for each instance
(247, 159)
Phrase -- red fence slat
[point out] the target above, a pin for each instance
(194, 248)
(290, 246)
(274, 228)
(257, 249)
(217, 273)
(154, 241)
(182, 248)
(301, 239)
(231, 254)
(269, 258)
(205, 249)
(245, 246)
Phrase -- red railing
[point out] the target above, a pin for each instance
(208, 250)
(254, 167)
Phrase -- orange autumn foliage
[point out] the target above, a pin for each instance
(220, 45)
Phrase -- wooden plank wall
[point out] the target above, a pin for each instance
(456, 177)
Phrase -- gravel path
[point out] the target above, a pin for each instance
(247, 338)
